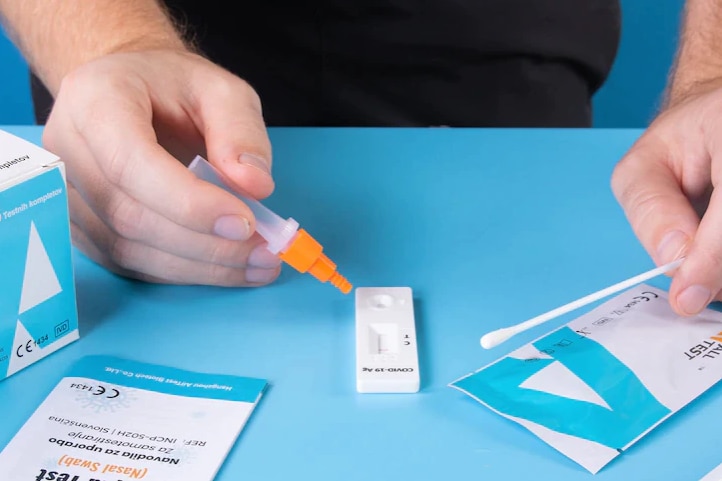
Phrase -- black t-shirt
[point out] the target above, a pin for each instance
(413, 63)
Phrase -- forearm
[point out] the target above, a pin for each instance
(55, 36)
(699, 55)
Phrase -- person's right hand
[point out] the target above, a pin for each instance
(122, 124)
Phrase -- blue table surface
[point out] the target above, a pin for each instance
(488, 226)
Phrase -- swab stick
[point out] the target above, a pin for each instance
(495, 338)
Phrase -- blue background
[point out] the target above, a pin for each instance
(628, 99)
(483, 245)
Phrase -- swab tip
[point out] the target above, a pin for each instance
(494, 338)
(486, 342)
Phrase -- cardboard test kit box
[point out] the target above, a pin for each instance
(38, 313)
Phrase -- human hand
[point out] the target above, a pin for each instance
(668, 184)
(120, 123)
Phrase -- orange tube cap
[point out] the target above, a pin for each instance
(305, 254)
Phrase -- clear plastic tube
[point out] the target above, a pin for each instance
(293, 245)
(278, 232)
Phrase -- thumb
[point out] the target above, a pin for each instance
(237, 143)
(657, 208)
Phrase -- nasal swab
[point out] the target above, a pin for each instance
(495, 338)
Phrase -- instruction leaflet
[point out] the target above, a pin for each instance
(117, 420)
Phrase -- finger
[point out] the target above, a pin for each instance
(130, 220)
(231, 119)
(654, 202)
(120, 138)
(83, 242)
(92, 251)
(136, 260)
(699, 279)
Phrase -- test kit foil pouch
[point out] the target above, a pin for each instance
(598, 384)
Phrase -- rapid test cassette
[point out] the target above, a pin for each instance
(386, 349)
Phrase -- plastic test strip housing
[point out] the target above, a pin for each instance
(386, 349)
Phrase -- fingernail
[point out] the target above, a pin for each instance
(261, 257)
(255, 161)
(232, 227)
(671, 247)
(693, 299)
(261, 276)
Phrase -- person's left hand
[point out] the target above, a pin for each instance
(669, 186)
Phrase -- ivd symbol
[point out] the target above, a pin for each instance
(62, 328)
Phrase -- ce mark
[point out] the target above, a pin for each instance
(26, 348)
(100, 390)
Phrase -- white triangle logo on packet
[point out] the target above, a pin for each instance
(25, 351)
(557, 379)
(40, 282)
